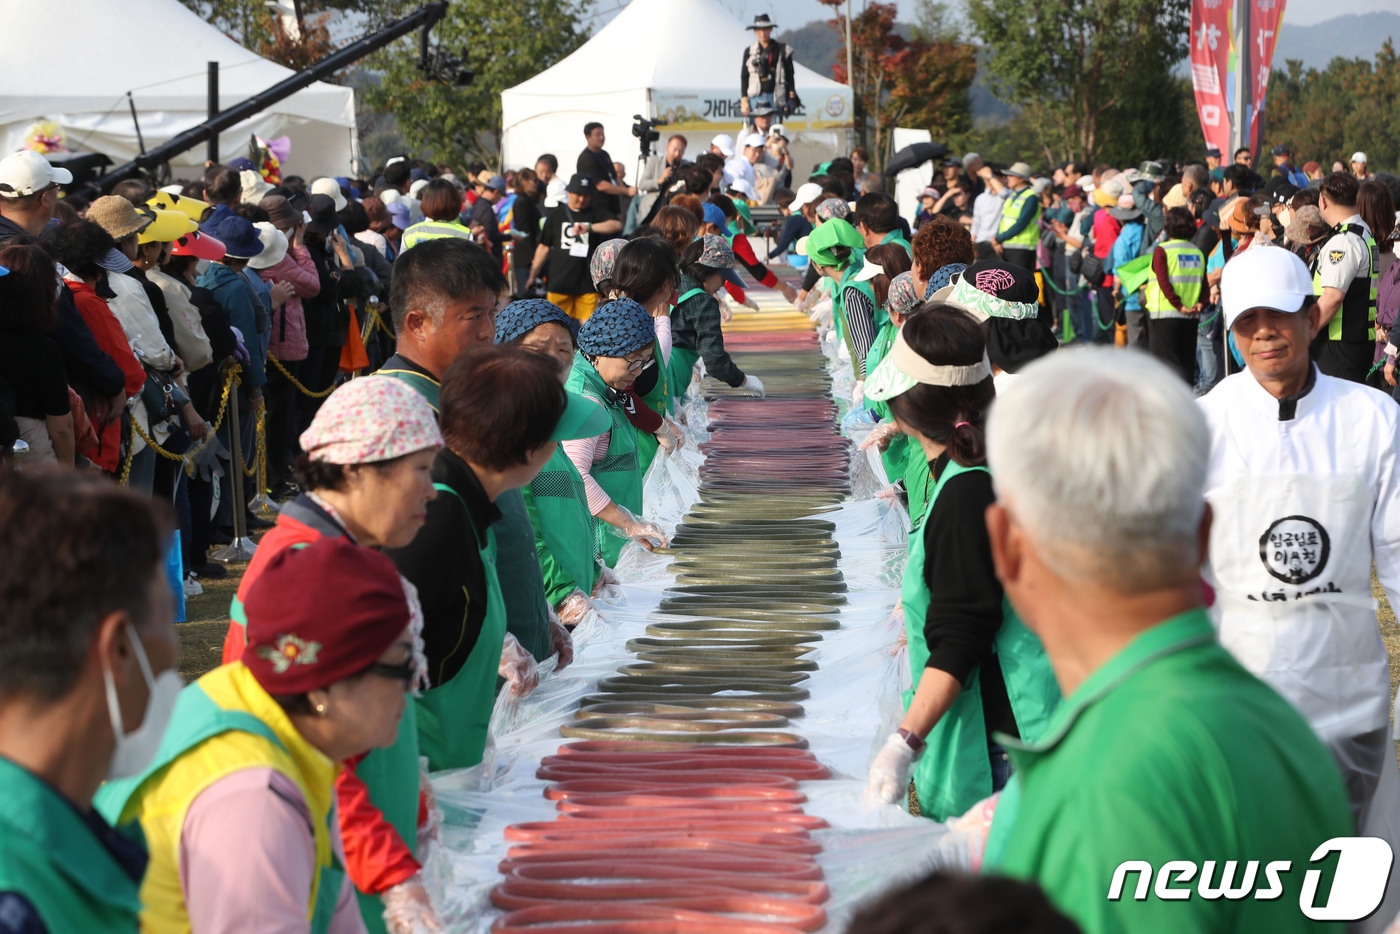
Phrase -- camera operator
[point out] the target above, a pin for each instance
(660, 172)
(766, 75)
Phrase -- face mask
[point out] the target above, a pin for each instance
(1285, 217)
(135, 750)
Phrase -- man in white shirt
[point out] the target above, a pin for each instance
(1345, 275)
(1305, 490)
(742, 165)
(986, 211)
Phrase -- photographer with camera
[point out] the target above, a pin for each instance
(766, 76)
(660, 171)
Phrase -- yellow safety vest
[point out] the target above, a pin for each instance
(433, 230)
(1355, 321)
(1185, 270)
(1011, 212)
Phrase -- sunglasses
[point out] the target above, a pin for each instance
(403, 673)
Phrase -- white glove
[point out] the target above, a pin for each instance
(574, 607)
(646, 534)
(750, 303)
(408, 909)
(754, 385)
(518, 667)
(667, 437)
(858, 395)
(880, 437)
(889, 773)
(560, 642)
(608, 584)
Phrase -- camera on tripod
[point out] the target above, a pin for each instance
(645, 130)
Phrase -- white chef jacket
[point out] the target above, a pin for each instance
(1253, 433)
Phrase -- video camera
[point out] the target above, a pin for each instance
(645, 130)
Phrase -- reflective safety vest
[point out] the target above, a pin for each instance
(1355, 321)
(1011, 212)
(433, 230)
(1186, 269)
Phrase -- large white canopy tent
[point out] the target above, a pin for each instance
(674, 59)
(73, 61)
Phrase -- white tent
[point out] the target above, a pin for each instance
(73, 62)
(674, 59)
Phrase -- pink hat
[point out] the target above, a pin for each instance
(373, 418)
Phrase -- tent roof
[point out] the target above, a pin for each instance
(157, 49)
(670, 45)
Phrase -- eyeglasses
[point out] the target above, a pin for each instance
(636, 366)
(403, 673)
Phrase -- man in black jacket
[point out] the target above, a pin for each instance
(765, 75)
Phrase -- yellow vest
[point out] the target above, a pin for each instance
(433, 230)
(162, 800)
(1011, 212)
(1186, 267)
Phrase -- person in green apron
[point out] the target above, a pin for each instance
(615, 345)
(503, 410)
(697, 332)
(565, 537)
(88, 679)
(644, 270)
(238, 806)
(900, 300)
(838, 251)
(877, 219)
(444, 298)
(974, 668)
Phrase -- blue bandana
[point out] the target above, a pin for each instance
(944, 276)
(620, 327)
(521, 317)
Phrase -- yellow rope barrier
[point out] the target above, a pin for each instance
(231, 375)
(377, 320)
(260, 456)
(293, 380)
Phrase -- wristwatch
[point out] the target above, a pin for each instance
(915, 742)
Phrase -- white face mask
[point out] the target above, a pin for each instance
(1285, 217)
(134, 751)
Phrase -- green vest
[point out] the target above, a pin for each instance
(425, 385)
(895, 453)
(1186, 268)
(955, 771)
(897, 236)
(680, 370)
(453, 717)
(838, 310)
(50, 857)
(1355, 321)
(619, 472)
(1011, 212)
(433, 230)
(918, 483)
(518, 566)
(565, 537)
(658, 400)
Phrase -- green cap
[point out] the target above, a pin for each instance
(582, 418)
(835, 232)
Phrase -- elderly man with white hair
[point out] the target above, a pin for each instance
(1166, 755)
(1305, 486)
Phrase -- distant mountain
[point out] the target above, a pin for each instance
(1351, 36)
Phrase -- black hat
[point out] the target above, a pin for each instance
(1013, 344)
(1282, 150)
(1003, 280)
(761, 21)
(322, 211)
(580, 184)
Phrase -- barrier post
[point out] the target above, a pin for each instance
(242, 547)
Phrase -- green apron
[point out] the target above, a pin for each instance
(955, 771)
(619, 472)
(895, 454)
(918, 483)
(518, 565)
(681, 368)
(197, 718)
(391, 778)
(426, 386)
(453, 717)
(659, 400)
(838, 307)
(50, 857)
(897, 236)
(565, 537)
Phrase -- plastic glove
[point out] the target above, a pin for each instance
(880, 438)
(432, 822)
(889, 773)
(240, 350)
(667, 437)
(725, 313)
(518, 667)
(607, 587)
(408, 909)
(749, 303)
(646, 534)
(754, 385)
(858, 394)
(574, 607)
(560, 642)
(889, 494)
(676, 430)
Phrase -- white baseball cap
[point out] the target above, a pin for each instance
(1264, 277)
(777, 130)
(806, 194)
(744, 187)
(331, 188)
(25, 172)
(1358, 157)
(724, 143)
(754, 141)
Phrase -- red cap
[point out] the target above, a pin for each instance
(319, 614)
(199, 245)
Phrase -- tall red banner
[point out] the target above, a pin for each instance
(1265, 18)
(1210, 52)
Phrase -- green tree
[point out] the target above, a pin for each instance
(1327, 115)
(1090, 74)
(504, 42)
